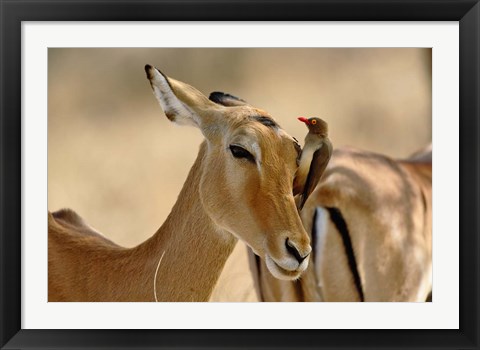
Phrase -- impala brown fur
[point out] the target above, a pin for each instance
(387, 206)
(226, 197)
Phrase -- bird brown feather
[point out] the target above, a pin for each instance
(318, 165)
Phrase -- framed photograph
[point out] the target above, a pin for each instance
(123, 111)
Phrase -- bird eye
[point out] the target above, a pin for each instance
(314, 122)
(240, 152)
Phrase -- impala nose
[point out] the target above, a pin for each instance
(292, 249)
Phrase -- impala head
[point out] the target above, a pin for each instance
(248, 169)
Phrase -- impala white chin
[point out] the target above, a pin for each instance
(286, 269)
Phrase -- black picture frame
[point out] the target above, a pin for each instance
(13, 12)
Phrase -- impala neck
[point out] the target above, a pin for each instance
(194, 249)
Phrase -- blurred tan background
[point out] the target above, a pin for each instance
(116, 159)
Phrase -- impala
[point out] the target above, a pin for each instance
(370, 220)
(240, 187)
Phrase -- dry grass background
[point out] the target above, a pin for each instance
(116, 159)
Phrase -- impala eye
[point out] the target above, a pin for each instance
(240, 152)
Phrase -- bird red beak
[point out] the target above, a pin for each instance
(305, 120)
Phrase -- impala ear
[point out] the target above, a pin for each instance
(226, 100)
(182, 103)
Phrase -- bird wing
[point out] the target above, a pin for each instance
(317, 167)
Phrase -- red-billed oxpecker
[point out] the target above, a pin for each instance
(314, 159)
